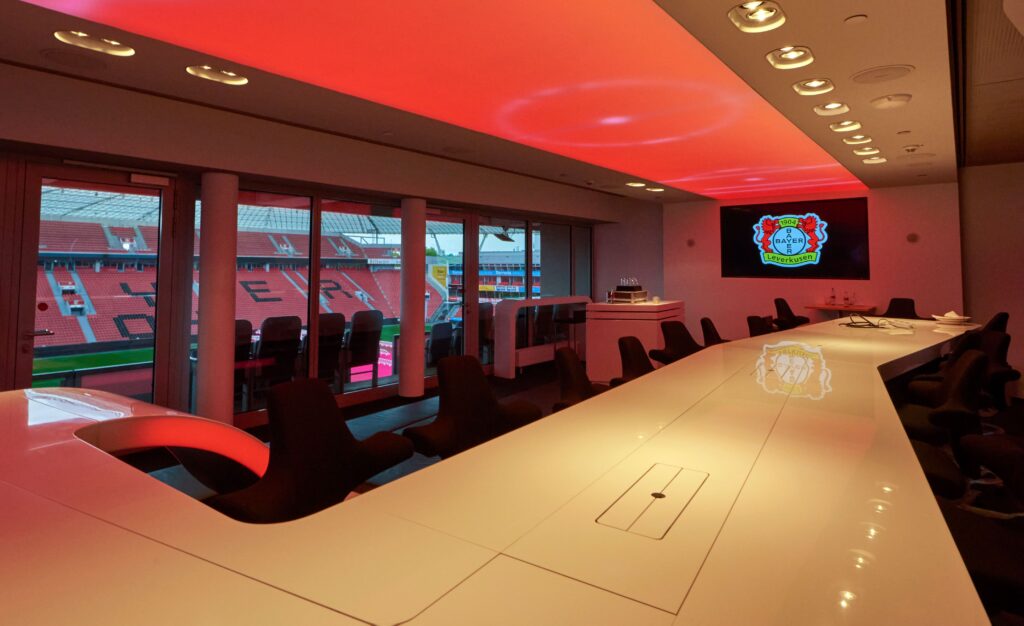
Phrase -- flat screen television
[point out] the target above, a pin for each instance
(816, 239)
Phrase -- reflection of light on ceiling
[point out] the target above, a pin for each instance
(845, 598)
(552, 75)
(693, 110)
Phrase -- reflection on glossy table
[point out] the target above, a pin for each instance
(787, 493)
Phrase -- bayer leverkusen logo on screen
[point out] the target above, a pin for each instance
(790, 240)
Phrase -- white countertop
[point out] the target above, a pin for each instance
(792, 497)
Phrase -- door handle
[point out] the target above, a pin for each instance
(45, 332)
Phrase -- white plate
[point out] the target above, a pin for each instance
(951, 318)
(952, 321)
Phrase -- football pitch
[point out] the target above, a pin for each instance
(92, 360)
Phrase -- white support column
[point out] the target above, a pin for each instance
(217, 239)
(413, 325)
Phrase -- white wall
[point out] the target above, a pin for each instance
(992, 220)
(928, 270)
(630, 248)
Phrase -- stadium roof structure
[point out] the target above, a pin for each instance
(69, 204)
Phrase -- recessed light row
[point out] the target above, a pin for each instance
(759, 17)
(115, 48)
(639, 185)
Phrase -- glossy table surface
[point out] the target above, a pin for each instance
(786, 493)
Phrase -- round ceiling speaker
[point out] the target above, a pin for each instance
(881, 74)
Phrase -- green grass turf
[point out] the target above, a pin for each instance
(46, 365)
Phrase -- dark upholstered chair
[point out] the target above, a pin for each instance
(634, 361)
(995, 345)
(543, 325)
(1003, 455)
(786, 318)
(943, 474)
(998, 322)
(958, 414)
(928, 389)
(573, 381)
(486, 331)
(468, 414)
(902, 308)
(330, 345)
(758, 325)
(679, 343)
(439, 343)
(279, 340)
(363, 344)
(711, 336)
(314, 459)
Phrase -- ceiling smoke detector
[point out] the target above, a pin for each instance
(891, 101)
(881, 74)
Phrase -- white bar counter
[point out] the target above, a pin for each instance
(791, 496)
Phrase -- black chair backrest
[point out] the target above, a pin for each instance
(572, 377)
(998, 322)
(783, 310)
(678, 339)
(543, 324)
(466, 401)
(711, 336)
(758, 325)
(332, 338)
(310, 445)
(279, 340)
(486, 322)
(901, 308)
(440, 342)
(996, 346)
(364, 338)
(634, 358)
(243, 340)
(965, 381)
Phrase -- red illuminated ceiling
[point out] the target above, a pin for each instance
(615, 83)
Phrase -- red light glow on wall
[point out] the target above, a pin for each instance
(615, 83)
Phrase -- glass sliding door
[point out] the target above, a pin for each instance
(96, 287)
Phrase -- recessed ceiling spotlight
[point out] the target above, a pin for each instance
(831, 108)
(790, 57)
(757, 17)
(636, 184)
(846, 126)
(903, 132)
(891, 101)
(655, 189)
(912, 148)
(96, 44)
(868, 151)
(813, 87)
(860, 18)
(209, 72)
(875, 160)
(856, 140)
